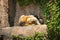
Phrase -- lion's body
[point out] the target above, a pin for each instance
(28, 20)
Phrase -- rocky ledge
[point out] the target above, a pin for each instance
(25, 30)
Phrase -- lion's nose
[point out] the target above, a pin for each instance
(22, 23)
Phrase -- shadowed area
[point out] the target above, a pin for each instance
(11, 11)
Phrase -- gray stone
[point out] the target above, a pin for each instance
(3, 13)
(25, 30)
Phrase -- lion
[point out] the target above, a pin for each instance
(26, 20)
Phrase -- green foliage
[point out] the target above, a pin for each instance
(52, 12)
(40, 36)
(37, 36)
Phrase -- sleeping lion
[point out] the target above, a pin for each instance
(26, 20)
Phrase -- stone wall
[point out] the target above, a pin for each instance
(4, 13)
(8, 32)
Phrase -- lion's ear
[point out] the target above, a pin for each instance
(21, 18)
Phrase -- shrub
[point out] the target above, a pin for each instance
(52, 13)
(37, 36)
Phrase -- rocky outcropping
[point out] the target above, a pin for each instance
(25, 30)
(3, 13)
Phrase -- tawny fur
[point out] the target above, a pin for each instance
(28, 20)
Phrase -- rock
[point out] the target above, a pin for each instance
(4, 13)
(25, 30)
